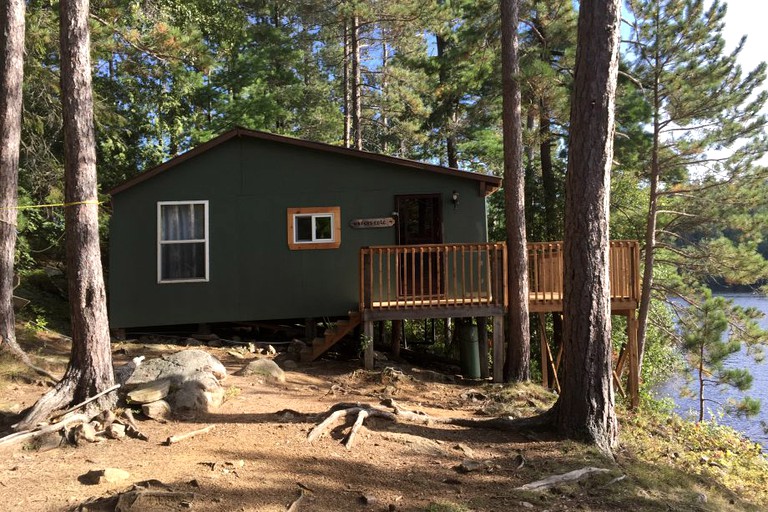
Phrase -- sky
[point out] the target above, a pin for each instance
(744, 17)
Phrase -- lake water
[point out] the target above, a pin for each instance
(688, 407)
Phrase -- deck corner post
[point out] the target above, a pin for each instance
(482, 337)
(498, 348)
(368, 343)
(634, 360)
(397, 337)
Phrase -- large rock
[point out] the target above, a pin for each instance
(265, 369)
(177, 367)
(193, 375)
(197, 395)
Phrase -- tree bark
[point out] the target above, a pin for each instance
(518, 327)
(90, 366)
(585, 409)
(357, 106)
(11, 78)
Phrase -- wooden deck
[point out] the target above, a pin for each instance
(545, 276)
(424, 280)
(433, 281)
(470, 280)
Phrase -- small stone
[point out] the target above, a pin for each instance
(525, 504)
(113, 475)
(159, 410)
(289, 364)
(367, 499)
(215, 343)
(116, 431)
(192, 342)
(150, 392)
(104, 476)
(466, 450)
(467, 466)
(265, 368)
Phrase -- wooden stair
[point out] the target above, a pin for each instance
(332, 336)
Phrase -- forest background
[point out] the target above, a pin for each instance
(421, 79)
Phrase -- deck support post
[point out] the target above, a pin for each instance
(310, 329)
(544, 344)
(482, 338)
(368, 341)
(397, 337)
(498, 348)
(634, 360)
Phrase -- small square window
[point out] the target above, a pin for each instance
(314, 228)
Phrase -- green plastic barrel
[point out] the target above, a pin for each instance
(469, 352)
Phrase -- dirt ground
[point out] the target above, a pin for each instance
(257, 457)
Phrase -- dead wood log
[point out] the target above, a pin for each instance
(20, 437)
(180, 437)
(571, 476)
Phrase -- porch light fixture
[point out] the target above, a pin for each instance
(455, 199)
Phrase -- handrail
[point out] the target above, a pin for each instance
(433, 276)
(545, 272)
(429, 276)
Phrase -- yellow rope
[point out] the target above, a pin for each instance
(52, 205)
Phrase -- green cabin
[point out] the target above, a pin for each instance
(254, 226)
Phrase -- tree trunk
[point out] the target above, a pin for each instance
(347, 88)
(451, 150)
(585, 409)
(518, 328)
(650, 227)
(357, 106)
(11, 78)
(90, 366)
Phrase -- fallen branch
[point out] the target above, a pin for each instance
(551, 481)
(133, 429)
(294, 506)
(180, 437)
(20, 437)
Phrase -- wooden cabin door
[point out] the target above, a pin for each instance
(420, 222)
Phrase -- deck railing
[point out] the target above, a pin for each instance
(545, 274)
(437, 276)
(466, 276)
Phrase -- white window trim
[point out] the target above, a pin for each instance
(314, 240)
(160, 243)
(332, 212)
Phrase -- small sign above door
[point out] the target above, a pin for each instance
(383, 222)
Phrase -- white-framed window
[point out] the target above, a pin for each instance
(314, 228)
(182, 241)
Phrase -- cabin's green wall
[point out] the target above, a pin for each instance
(249, 184)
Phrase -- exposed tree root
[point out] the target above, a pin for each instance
(13, 348)
(400, 414)
(62, 396)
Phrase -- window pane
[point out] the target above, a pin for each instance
(303, 228)
(182, 261)
(323, 228)
(182, 221)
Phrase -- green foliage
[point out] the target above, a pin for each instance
(704, 326)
